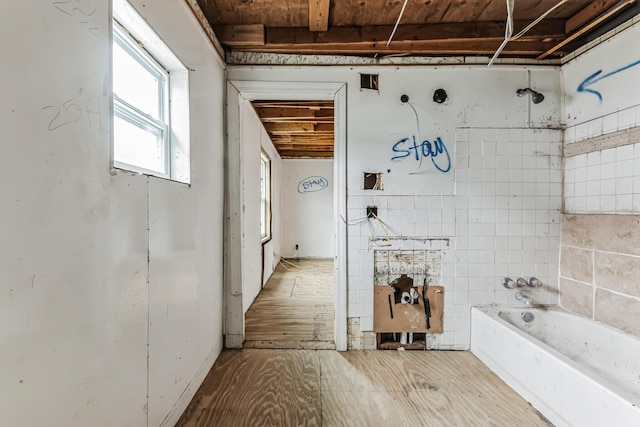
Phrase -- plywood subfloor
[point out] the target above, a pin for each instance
(253, 387)
(294, 309)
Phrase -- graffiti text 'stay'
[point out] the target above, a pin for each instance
(437, 150)
(312, 183)
(597, 76)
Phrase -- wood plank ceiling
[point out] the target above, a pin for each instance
(298, 129)
(427, 27)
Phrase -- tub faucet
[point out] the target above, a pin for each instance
(522, 297)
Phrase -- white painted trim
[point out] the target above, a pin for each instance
(233, 313)
(190, 391)
(340, 211)
(295, 91)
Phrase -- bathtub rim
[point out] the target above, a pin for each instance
(493, 311)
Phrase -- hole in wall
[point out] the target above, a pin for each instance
(369, 81)
(372, 181)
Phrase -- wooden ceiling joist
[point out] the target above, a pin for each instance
(437, 38)
(436, 47)
(306, 155)
(320, 144)
(287, 113)
(310, 147)
(597, 21)
(313, 105)
(427, 28)
(319, 15)
(242, 35)
(380, 33)
(590, 12)
(298, 128)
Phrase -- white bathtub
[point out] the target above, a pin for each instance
(575, 371)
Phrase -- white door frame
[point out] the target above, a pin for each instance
(294, 91)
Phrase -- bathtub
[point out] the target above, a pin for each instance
(575, 371)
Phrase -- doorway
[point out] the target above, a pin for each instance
(237, 266)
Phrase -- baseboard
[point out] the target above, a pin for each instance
(187, 395)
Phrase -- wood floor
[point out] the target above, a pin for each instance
(254, 387)
(295, 308)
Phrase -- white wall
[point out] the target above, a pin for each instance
(253, 137)
(506, 218)
(618, 61)
(307, 221)
(604, 180)
(83, 308)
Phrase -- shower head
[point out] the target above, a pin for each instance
(536, 97)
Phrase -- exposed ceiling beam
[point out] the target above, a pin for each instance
(437, 47)
(587, 14)
(455, 39)
(318, 15)
(488, 30)
(310, 147)
(304, 155)
(324, 144)
(299, 126)
(311, 105)
(292, 113)
(599, 20)
(242, 35)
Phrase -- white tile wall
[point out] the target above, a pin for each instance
(606, 181)
(619, 120)
(504, 220)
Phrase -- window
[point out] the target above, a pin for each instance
(150, 100)
(265, 194)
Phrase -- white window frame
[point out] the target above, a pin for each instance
(134, 34)
(122, 109)
(265, 197)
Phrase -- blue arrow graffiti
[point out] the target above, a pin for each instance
(597, 76)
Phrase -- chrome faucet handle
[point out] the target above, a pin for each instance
(534, 282)
(508, 283)
(521, 282)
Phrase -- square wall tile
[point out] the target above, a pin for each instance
(576, 297)
(576, 264)
(619, 311)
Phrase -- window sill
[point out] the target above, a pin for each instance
(115, 170)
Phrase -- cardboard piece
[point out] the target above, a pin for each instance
(407, 317)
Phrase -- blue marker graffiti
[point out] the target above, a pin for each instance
(434, 150)
(597, 76)
(312, 183)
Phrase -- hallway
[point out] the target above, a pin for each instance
(358, 388)
(295, 308)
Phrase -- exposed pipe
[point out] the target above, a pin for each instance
(397, 22)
